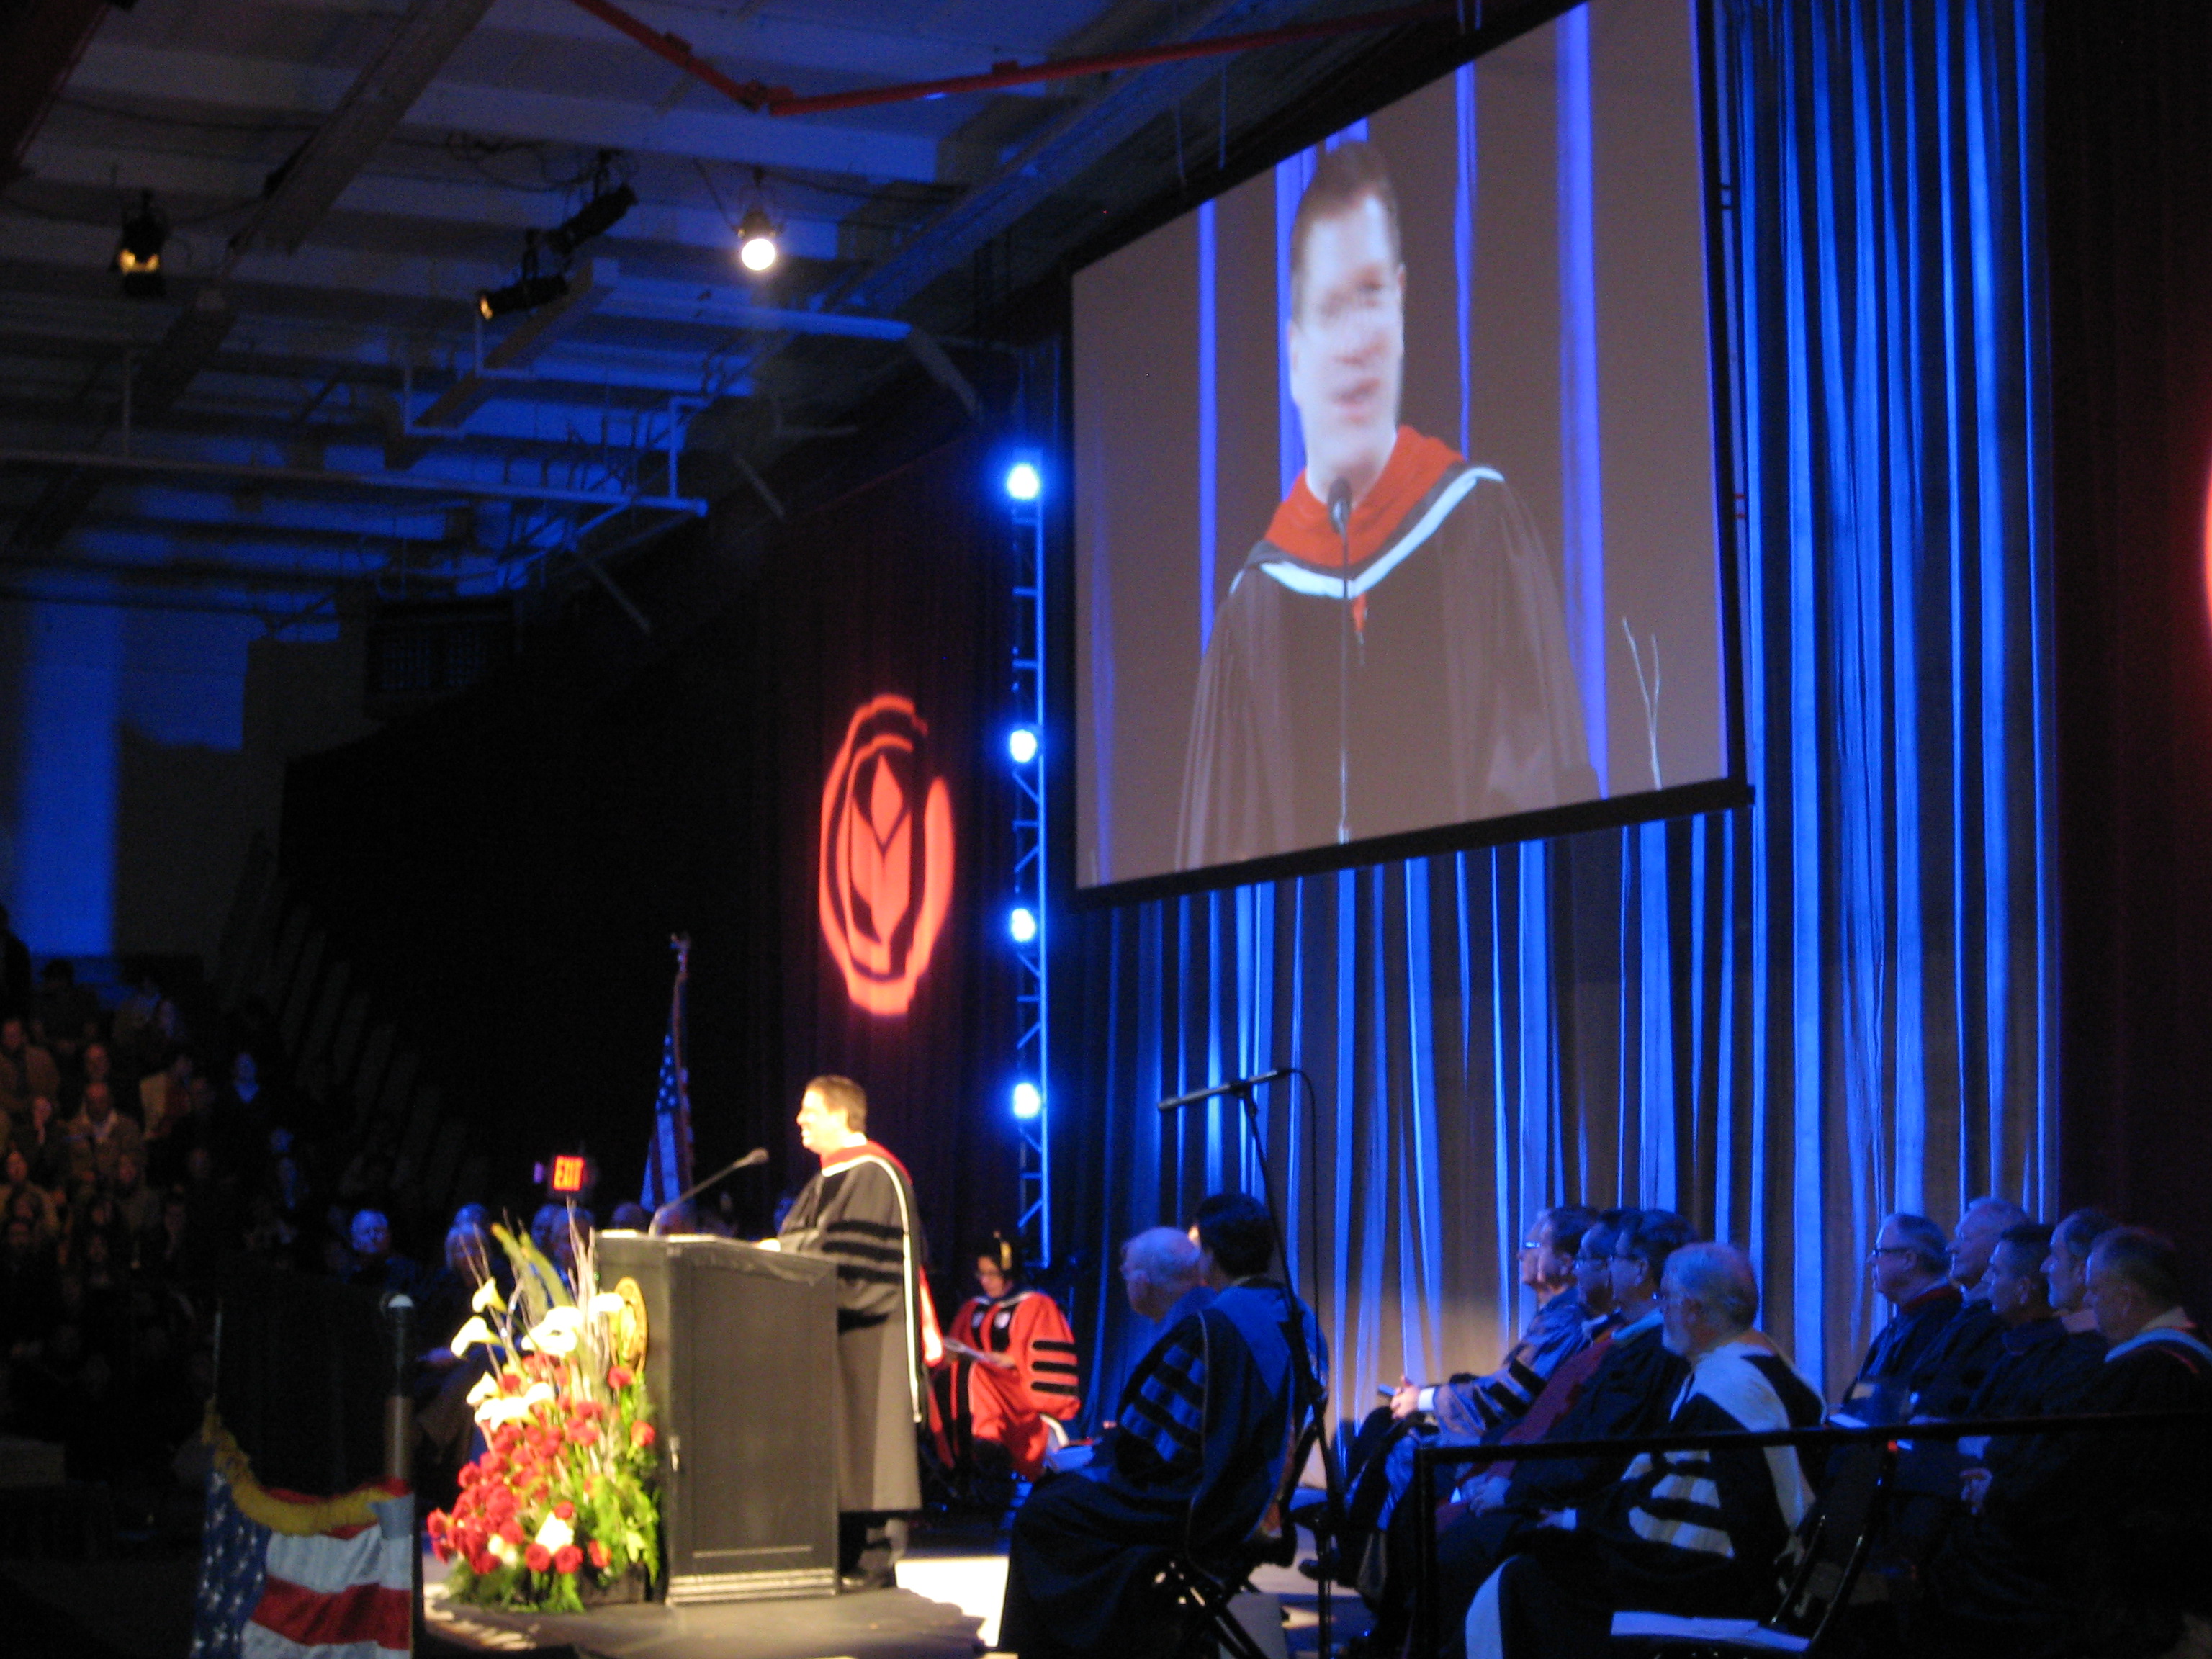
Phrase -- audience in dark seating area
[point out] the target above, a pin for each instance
(133, 1159)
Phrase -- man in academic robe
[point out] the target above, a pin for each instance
(1628, 1392)
(1391, 656)
(1008, 1373)
(1197, 1462)
(1691, 1533)
(858, 1211)
(2094, 1541)
(1912, 1264)
(1959, 1361)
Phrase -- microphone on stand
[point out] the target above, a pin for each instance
(1177, 1102)
(1339, 515)
(757, 1156)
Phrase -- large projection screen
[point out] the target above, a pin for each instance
(1395, 529)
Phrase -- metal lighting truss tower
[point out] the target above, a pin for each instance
(1031, 938)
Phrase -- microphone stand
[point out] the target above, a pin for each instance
(757, 1156)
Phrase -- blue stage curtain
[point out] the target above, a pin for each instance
(1783, 1022)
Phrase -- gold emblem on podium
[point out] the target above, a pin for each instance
(627, 1330)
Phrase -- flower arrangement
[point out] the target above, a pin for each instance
(561, 1499)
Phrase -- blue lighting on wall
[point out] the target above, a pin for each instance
(1028, 1103)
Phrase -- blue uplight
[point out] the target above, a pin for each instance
(1028, 1103)
(1023, 482)
(1022, 744)
(1022, 924)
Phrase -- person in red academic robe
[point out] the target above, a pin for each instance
(1008, 1375)
(1392, 655)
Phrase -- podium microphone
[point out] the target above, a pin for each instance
(1177, 1102)
(757, 1156)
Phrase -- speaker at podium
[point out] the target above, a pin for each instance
(741, 1367)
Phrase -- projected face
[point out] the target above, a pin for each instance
(1347, 347)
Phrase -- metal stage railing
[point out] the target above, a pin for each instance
(1427, 1459)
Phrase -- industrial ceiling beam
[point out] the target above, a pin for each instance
(39, 44)
(267, 87)
(374, 106)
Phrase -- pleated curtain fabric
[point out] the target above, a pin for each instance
(1783, 1022)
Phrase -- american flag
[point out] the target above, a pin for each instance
(346, 1593)
(668, 1160)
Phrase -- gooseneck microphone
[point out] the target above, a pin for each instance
(1339, 515)
(1234, 1085)
(757, 1156)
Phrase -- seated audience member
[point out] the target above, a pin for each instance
(1958, 1360)
(630, 1217)
(1008, 1371)
(137, 1205)
(26, 1068)
(2043, 1367)
(553, 1230)
(1163, 1275)
(1198, 1457)
(46, 1142)
(1693, 1533)
(2066, 1269)
(1912, 1264)
(372, 1261)
(101, 1137)
(34, 1201)
(1469, 1410)
(1630, 1392)
(2094, 1542)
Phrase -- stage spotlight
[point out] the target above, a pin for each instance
(1022, 744)
(1023, 482)
(756, 247)
(595, 218)
(1022, 924)
(528, 294)
(1028, 1103)
(138, 253)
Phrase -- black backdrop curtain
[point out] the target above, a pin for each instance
(504, 870)
(1786, 1021)
(2129, 148)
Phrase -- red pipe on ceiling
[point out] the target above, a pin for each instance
(781, 101)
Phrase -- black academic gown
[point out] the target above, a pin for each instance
(859, 1211)
(2092, 1542)
(1958, 1362)
(1086, 1542)
(1895, 1358)
(1629, 1394)
(1461, 701)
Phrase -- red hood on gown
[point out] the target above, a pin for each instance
(1301, 526)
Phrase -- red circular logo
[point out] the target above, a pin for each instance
(886, 855)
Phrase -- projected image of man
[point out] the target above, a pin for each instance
(1391, 656)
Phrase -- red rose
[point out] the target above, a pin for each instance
(599, 1555)
(620, 1377)
(641, 1434)
(438, 1522)
(565, 1510)
(538, 1558)
(510, 1382)
(587, 1435)
(511, 1531)
(471, 1474)
(484, 1563)
(568, 1559)
(441, 1549)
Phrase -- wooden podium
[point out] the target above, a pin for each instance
(741, 1366)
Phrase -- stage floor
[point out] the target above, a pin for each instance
(946, 1607)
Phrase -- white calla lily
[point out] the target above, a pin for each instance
(504, 1409)
(556, 1533)
(555, 1335)
(606, 1304)
(488, 1298)
(473, 1334)
(539, 1393)
(487, 1388)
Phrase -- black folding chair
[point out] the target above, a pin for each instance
(1830, 1549)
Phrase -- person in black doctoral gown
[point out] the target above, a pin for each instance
(1198, 1455)
(2093, 1543)
(1400, 663)
(858, 1211)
